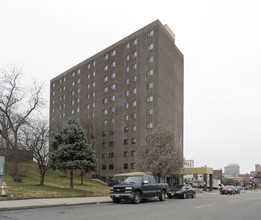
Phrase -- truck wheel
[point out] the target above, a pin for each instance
(193, 195)
(137, 198)
(116, 200)
(162, 196)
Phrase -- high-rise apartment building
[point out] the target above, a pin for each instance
(121, 93)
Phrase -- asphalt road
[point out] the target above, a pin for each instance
(244, 206)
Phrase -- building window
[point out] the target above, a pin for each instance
(105, 89)
(133, 128)
(111, 166)
(149, 112)
(112, 98)
(106, 56)
(134, 54)
(126, 129)
(134, 78)
(93, 84)
(104, 111)
(78, 81)
(112, 86)
(133, 141)
(133, 115)
(53, 85)
(150, 33)
(104, 156)
(149, 98)
(111, 143)
(93, 94)
(134, 66)
(134, 91)
(149, 73)
(127, 57)
(125, 141)
(104, 133)
(88, 96)
(150, 59)
(72, 112)
(104, 122)
(125, 154)
(105, 101)
(112, 109)
(126, 117)
(73, 74)
(125, 166)
(93, 104)
(127, 46)
(53, 93)
(93, 73)
(78, 90)
(132, 165)
(133, 153)
(150, 46)
(126, 105)
(113, 53)
(127, 93)
(150, 85)
(112, 76)
(105, 79)
(111, 155)
(89, 66)
(113, 64)
(77, 109)
(78, 71)
(93, 63)
(149, 125)
(88, 85)
(103, 166)
(105, 68)
(133, 103)
(72, 92)
(127, 81)
(111, 121)
(134, 42)
(111, 132)
(127, 69)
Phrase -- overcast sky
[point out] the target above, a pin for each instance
(220, 40)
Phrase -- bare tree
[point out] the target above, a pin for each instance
(159, 154)
(16, 105)
(36, 138)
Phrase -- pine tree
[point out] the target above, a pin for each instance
(70, 150)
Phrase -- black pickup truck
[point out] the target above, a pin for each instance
(137, 188)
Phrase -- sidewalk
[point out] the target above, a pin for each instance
(53, 202)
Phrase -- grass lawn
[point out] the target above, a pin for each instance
(56, 185)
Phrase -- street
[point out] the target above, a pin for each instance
(246, 205)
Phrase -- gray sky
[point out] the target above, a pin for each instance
(220, 40)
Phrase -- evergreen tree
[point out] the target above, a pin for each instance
(70, 150)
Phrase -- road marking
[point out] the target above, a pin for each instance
(203, 206)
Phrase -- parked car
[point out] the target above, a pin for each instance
(238, 188)
(137, 188)
(229, 189)
(182, 191)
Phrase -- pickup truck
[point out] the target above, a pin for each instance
(137, 188)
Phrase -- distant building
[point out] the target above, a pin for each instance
(231, 170)
(258, 168)
(188, 164)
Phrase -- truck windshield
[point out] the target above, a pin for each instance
(134, 179)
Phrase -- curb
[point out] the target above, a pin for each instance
(49, 205)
